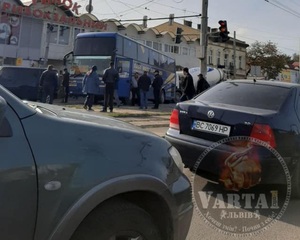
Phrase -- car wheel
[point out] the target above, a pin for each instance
(117, 220)
(177, 96)
(296, 181)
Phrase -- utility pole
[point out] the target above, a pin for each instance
(234, 55)
(203, 37)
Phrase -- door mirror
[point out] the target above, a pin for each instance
(3, 105)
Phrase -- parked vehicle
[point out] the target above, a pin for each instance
(70, 179)
(129, 56)
(265, 110)
(22, 81)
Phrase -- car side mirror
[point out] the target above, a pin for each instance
(3, 105)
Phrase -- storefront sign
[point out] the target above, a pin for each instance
(68, 4)
(53, 16)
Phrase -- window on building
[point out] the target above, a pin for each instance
(175, 49)
(226, 60)
(240, 62)
(185, 51)
(52, 31)
(193, 52)
(166, 48)
(218, 58)
(149, 43)
(78, 30)
(157, 46)
(63, 35)
(59, 34)
(210, 57)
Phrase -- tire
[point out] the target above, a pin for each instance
(296, 182)
(118, 220)
(177, 96)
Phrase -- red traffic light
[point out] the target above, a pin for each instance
(223, 31)
(223, 26)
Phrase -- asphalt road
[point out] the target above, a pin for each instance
(287, 227)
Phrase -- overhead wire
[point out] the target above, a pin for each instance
(284, 9)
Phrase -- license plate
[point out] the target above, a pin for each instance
(211, 127)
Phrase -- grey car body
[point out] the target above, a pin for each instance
(55, 171)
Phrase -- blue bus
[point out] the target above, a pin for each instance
(128, 55)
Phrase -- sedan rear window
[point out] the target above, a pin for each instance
(246, 94)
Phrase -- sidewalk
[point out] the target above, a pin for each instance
(150, 118)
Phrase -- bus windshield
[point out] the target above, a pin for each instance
(81, 64)
(91, 46)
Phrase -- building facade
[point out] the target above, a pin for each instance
(41, 32)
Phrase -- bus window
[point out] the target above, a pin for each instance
(143, 54)
(163, 60)
(171, 64)
(130, 49)
(153, 60)
(119, 45)
(94, 46)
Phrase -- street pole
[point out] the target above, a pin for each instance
(234, 55)
(47, 47)
(203, 37)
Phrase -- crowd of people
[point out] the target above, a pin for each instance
(140, 87)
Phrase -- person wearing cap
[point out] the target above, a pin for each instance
(156, 85)
(111, 80)
(90, 85)
(202, 84)
(65, 84)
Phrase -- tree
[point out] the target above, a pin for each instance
(268, 57)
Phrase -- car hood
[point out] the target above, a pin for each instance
(80, 115)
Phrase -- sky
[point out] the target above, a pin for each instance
(277, 21)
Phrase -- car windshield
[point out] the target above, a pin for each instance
(246, 94)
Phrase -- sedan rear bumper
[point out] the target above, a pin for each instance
(200, 155)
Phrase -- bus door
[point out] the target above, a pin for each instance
(124, 67)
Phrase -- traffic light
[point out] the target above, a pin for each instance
(178, 35)
(223, 31)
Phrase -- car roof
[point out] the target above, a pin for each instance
(266, 82)
(21, 67)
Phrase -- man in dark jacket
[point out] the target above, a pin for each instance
(202, 84)
(144, 83)
(188, 88)
(110, 78)
(49, 83)
(66, 83)
(157, 84)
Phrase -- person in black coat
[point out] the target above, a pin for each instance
(157, 84)
(188, 89)
(66, 84)
(144, 83)
(202, 84)
(49, 84)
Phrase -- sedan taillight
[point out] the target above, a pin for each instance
(264, 133)
(174, 119)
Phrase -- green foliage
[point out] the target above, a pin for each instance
(268, 57)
